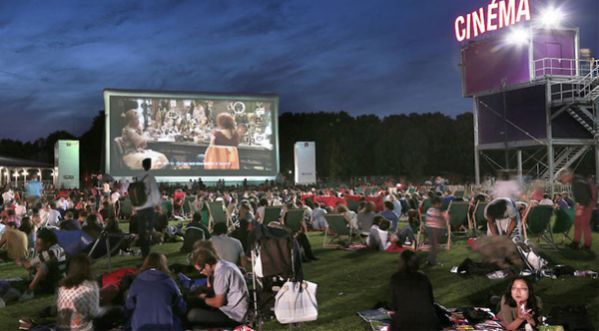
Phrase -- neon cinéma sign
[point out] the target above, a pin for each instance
(496, 15)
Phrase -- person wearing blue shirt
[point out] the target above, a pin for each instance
(390, 215)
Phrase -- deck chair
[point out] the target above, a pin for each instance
(537, 222)
(458, 218)
(167, 208)
(426, 204)
(563, 222)
(187, 206)
(478, 217)
(217, 213)
(338, 226)
(293, 219)
(271, 214)
(352, 205)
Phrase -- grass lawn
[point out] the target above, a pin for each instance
(352, 281)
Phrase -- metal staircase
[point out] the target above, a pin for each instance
(579, 89)
(584, 117)
(565, 158)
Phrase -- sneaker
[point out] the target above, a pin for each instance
(26, 296)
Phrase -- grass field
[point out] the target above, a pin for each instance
(350, 281)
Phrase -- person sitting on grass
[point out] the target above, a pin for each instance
(78, 300)
(47, 266)
(519, 305)
(229, 249)
(13, 244)
(378, 236)
(412, 296)
(154, 302)
(229, 305)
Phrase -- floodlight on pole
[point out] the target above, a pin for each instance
(518, 36)
(551, 17)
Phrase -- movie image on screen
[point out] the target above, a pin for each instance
(193, 136)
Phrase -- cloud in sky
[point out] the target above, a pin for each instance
(382, 57)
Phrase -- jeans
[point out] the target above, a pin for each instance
(145, 223)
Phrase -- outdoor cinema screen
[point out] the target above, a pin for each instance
(191, 135)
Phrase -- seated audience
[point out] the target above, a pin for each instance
(229, 249)
(412, 297)
(78, 298)
(194, 231)
(13, 244)
(390, 215)
(69, 223)
(519, 305)
(229, 305)
(47, 266)
(154, 301)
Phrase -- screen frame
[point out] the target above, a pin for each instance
(109, 93)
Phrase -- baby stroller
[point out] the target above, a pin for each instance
(534, 264)
(275, 258)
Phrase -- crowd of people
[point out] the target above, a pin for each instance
(151, 299)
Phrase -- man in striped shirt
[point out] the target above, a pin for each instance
(48, 265)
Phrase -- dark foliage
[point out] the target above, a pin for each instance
(411, 145)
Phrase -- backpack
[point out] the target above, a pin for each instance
(137, 192)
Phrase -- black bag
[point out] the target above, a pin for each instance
(137, 192)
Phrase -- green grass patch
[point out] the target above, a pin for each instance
(350, 281)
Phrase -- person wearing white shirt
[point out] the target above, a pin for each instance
(146, 215)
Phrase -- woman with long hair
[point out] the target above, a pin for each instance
(154, 301)
(78, 300)
(222, 151)
(519, 305)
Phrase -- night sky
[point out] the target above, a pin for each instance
(363, 57)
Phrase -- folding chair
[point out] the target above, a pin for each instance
(293, 219)
(352, 205)
(563, 222)
(478, 217)
(187, 206)
(537, 222)
(272, 214)
(458, 218)
(338, 226)
(217, 213)
(426, 204)
(167, 208)
(459, 194)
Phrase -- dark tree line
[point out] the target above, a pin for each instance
(413, 145)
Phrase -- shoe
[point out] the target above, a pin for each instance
(573, 245)
(314, 258)
(26, 296)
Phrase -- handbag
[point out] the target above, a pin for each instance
(296, 302)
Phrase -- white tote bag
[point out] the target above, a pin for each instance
(296, 302)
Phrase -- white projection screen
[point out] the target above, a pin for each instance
(191, 135)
